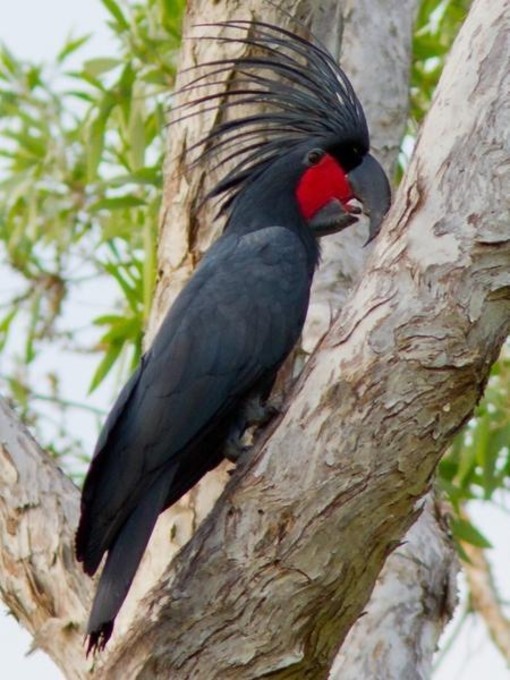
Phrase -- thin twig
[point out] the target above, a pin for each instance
(485, 598)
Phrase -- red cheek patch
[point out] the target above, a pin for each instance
(320, 184)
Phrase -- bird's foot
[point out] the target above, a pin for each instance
(234, 449)
(258, 413)
(254, 414)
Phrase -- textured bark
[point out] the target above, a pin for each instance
(371, 28)
(365, 28)
(413, 599)
(362, 29)
(40, 581)
(275, 576)
(264, 586)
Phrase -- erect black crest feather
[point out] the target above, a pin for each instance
(305, 96)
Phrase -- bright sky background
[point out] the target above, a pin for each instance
(36, 29)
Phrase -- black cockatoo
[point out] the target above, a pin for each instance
(298, 166)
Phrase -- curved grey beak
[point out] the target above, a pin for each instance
(371, 187)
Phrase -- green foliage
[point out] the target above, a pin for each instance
(437, 25)
(81, 157)
(477, 466)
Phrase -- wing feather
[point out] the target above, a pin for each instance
(233, 324)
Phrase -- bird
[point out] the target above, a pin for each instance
(299, 170)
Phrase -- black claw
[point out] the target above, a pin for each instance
(258, 413)
(234, 450)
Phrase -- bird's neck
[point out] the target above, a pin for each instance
(272, 207)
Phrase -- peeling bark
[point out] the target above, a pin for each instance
(413, 599)
(285, 563)
(400, 372)
(366, 29)
(40, 580)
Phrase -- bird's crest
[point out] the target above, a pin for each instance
(305, 94)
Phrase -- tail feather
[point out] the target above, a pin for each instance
(122, 562)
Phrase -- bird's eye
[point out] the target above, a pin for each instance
(314, 156)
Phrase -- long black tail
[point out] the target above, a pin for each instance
(122, 562)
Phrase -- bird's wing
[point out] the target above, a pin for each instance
(235, 322)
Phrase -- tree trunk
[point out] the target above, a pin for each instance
(357, 30)
(279, 571)
(40, 581)
(401, 371)
(413, 599)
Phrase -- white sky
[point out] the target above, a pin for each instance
(36, 29)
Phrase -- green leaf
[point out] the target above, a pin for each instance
(34, 77)
(107, 319)
(171, 12)
(116, 12)
(125, 92)
(9, 62)
(144, 176)
(129, 288)
(156, 76)
(70, 47)
(121, 331)
(105, 365)
(100, 65)
(86, 77)
(96, 135)
(137, 138)
(493, 463)
(19, 391)
(5, 325)
(117, 203)
(466, 464)
(34, 318)
(465, 531)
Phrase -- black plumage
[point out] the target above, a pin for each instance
(224, 339)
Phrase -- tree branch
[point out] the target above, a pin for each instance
(264, 586)
(413, 599)
(40, 581)
(400, 371)
(383, 87)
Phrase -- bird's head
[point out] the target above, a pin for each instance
(332, 179)
(312, 130)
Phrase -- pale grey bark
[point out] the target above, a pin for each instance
(365, 29)
(277, 574)
(413, 599)
(40, 580)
